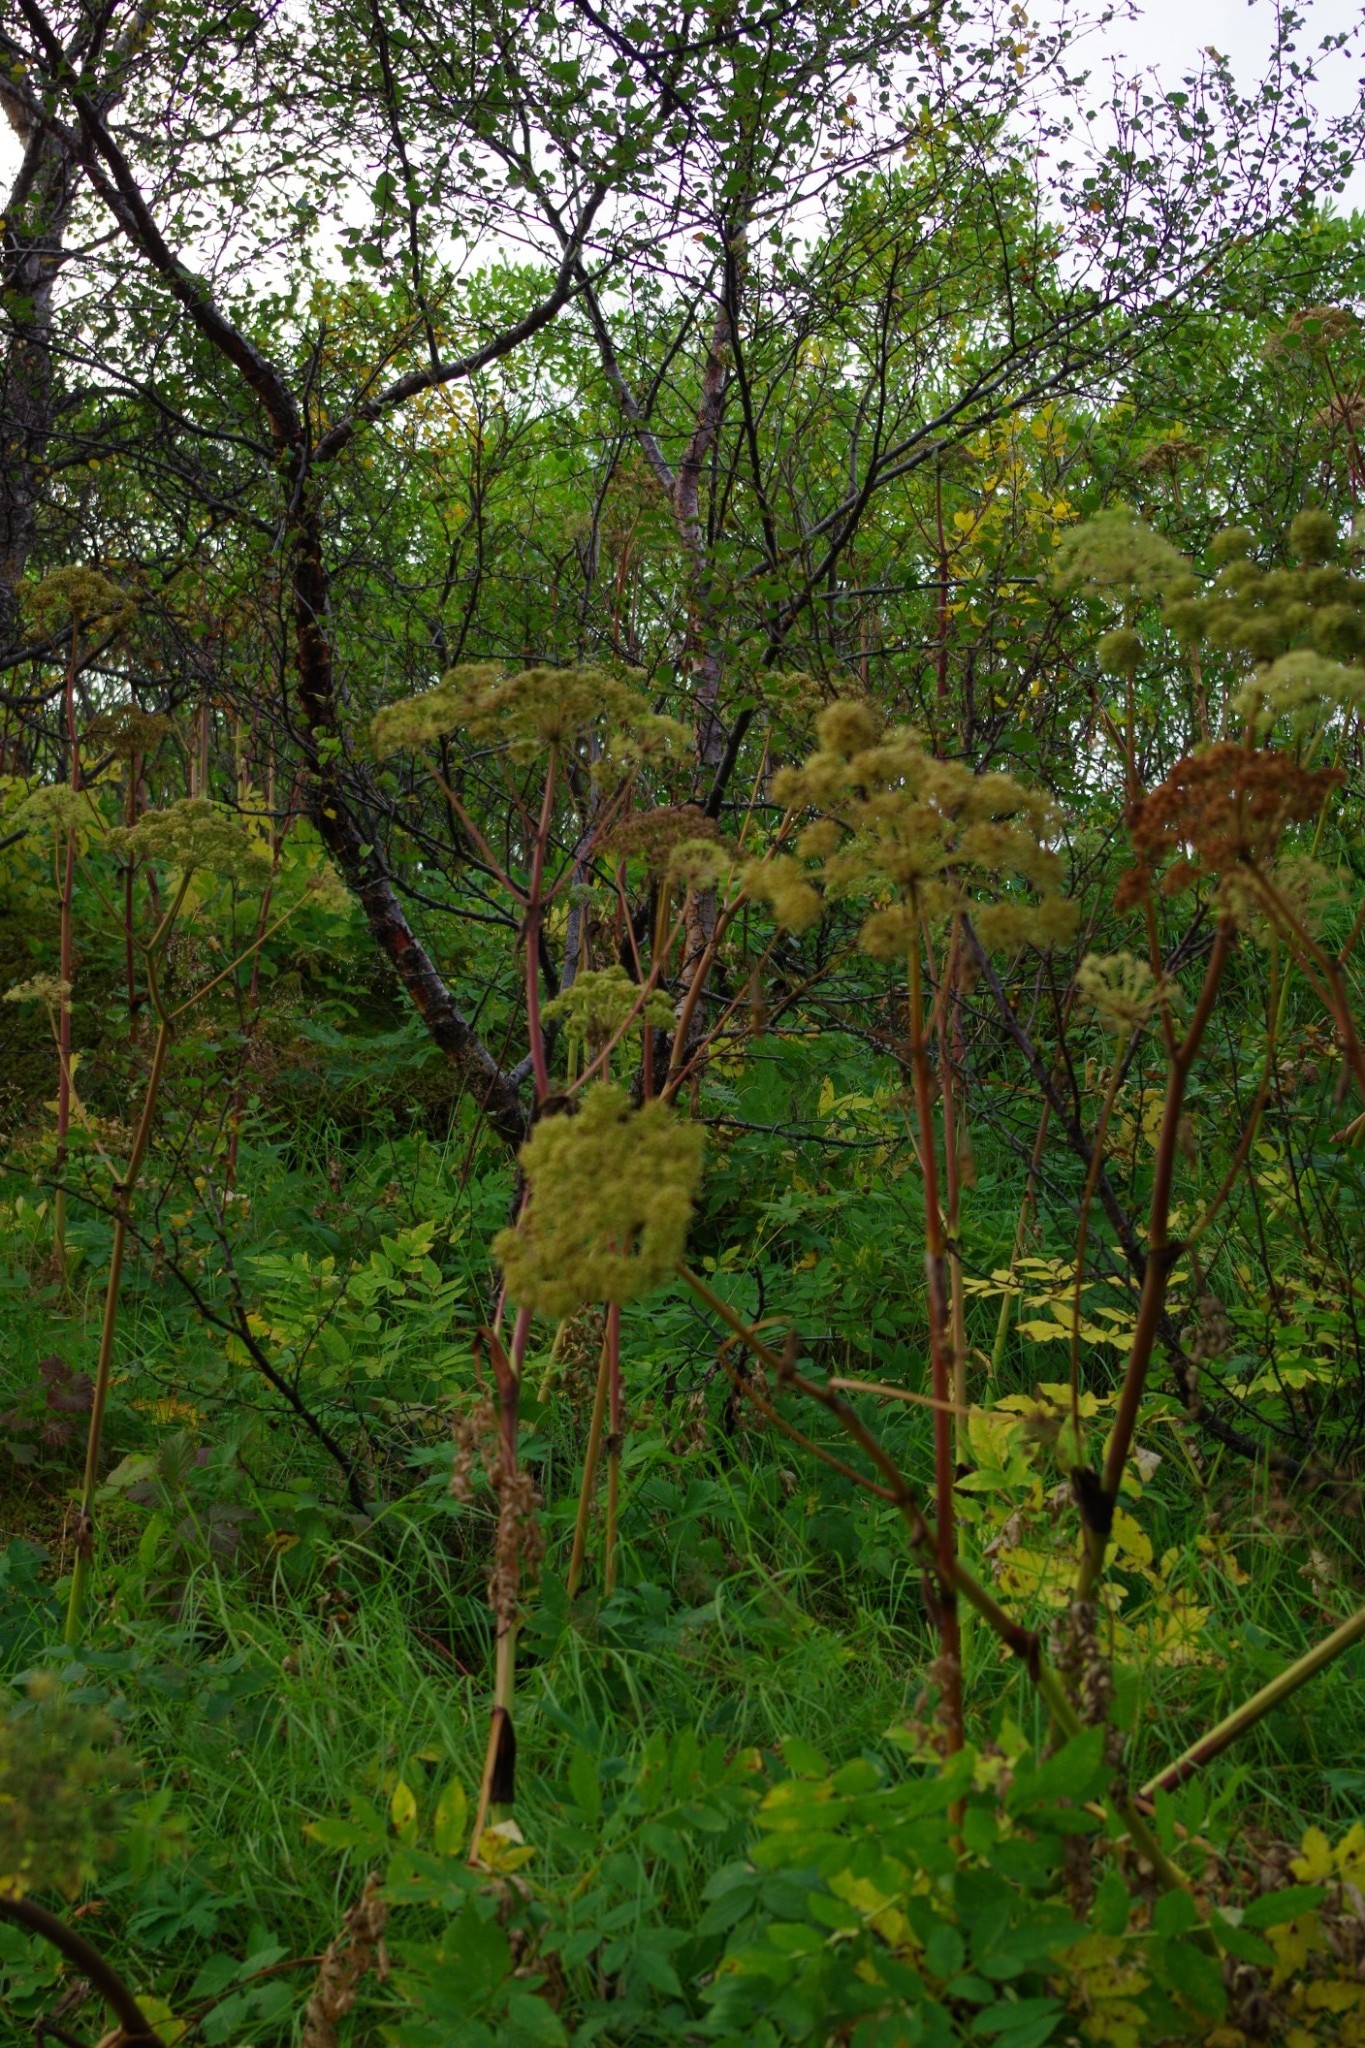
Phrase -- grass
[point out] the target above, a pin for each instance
(272, 1663)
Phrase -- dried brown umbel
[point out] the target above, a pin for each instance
(1078, 1656)
(1221, 808)
(520, 1543)
(357, 1949)
(652, 836)
(469, 1430)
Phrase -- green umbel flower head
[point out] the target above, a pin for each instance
(610, 1198)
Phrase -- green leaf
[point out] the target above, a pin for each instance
(1077, 1771)
(535, 2021)
(1272, 1909)
(586, 1785)
(802, 1758)
(1197, 1978)
(1174, 1913)
(1112, 1906)
(1024, 2023)
(945, 1951)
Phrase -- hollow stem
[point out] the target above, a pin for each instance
(1270, 1696)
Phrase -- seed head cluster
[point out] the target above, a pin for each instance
(532, 711)
(77, 597)
(610, 1199)
(1116, 554)
(126, 730)
(1122, 990)
(913, 838)
(653, 836)
(600, 1001)
(57, 807)
(196, 834)
(1225, 807)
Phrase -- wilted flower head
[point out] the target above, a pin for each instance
(610, 1199)
(699, 865)
(77, 597)
(1313, 331)
(654, 836)
(1115, 552)
(126, 730)
(918, 836)
(600, 1001)
(196, 834)
(57, 807)
(1122, 990)
(1223, 807)
(48, 989)
(529, 712)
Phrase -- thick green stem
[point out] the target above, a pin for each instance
(1236, 1724)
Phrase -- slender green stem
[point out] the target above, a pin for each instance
(85, 1525)
(590, 1457)
(614, 1430)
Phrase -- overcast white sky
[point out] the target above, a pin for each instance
(1169, 34)
(1166, 37)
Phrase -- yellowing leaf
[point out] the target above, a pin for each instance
(1315, 1863)
(1350, 1855)
(1293, 1943)
(503, 1849)
(450, 1820)
(162, 2020)
(403, 1811)
(1132, 1543)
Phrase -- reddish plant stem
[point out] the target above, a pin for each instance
(948, 1621)
(531, 932)
(1161, 1257)
(66, 970)
(590, 1458)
